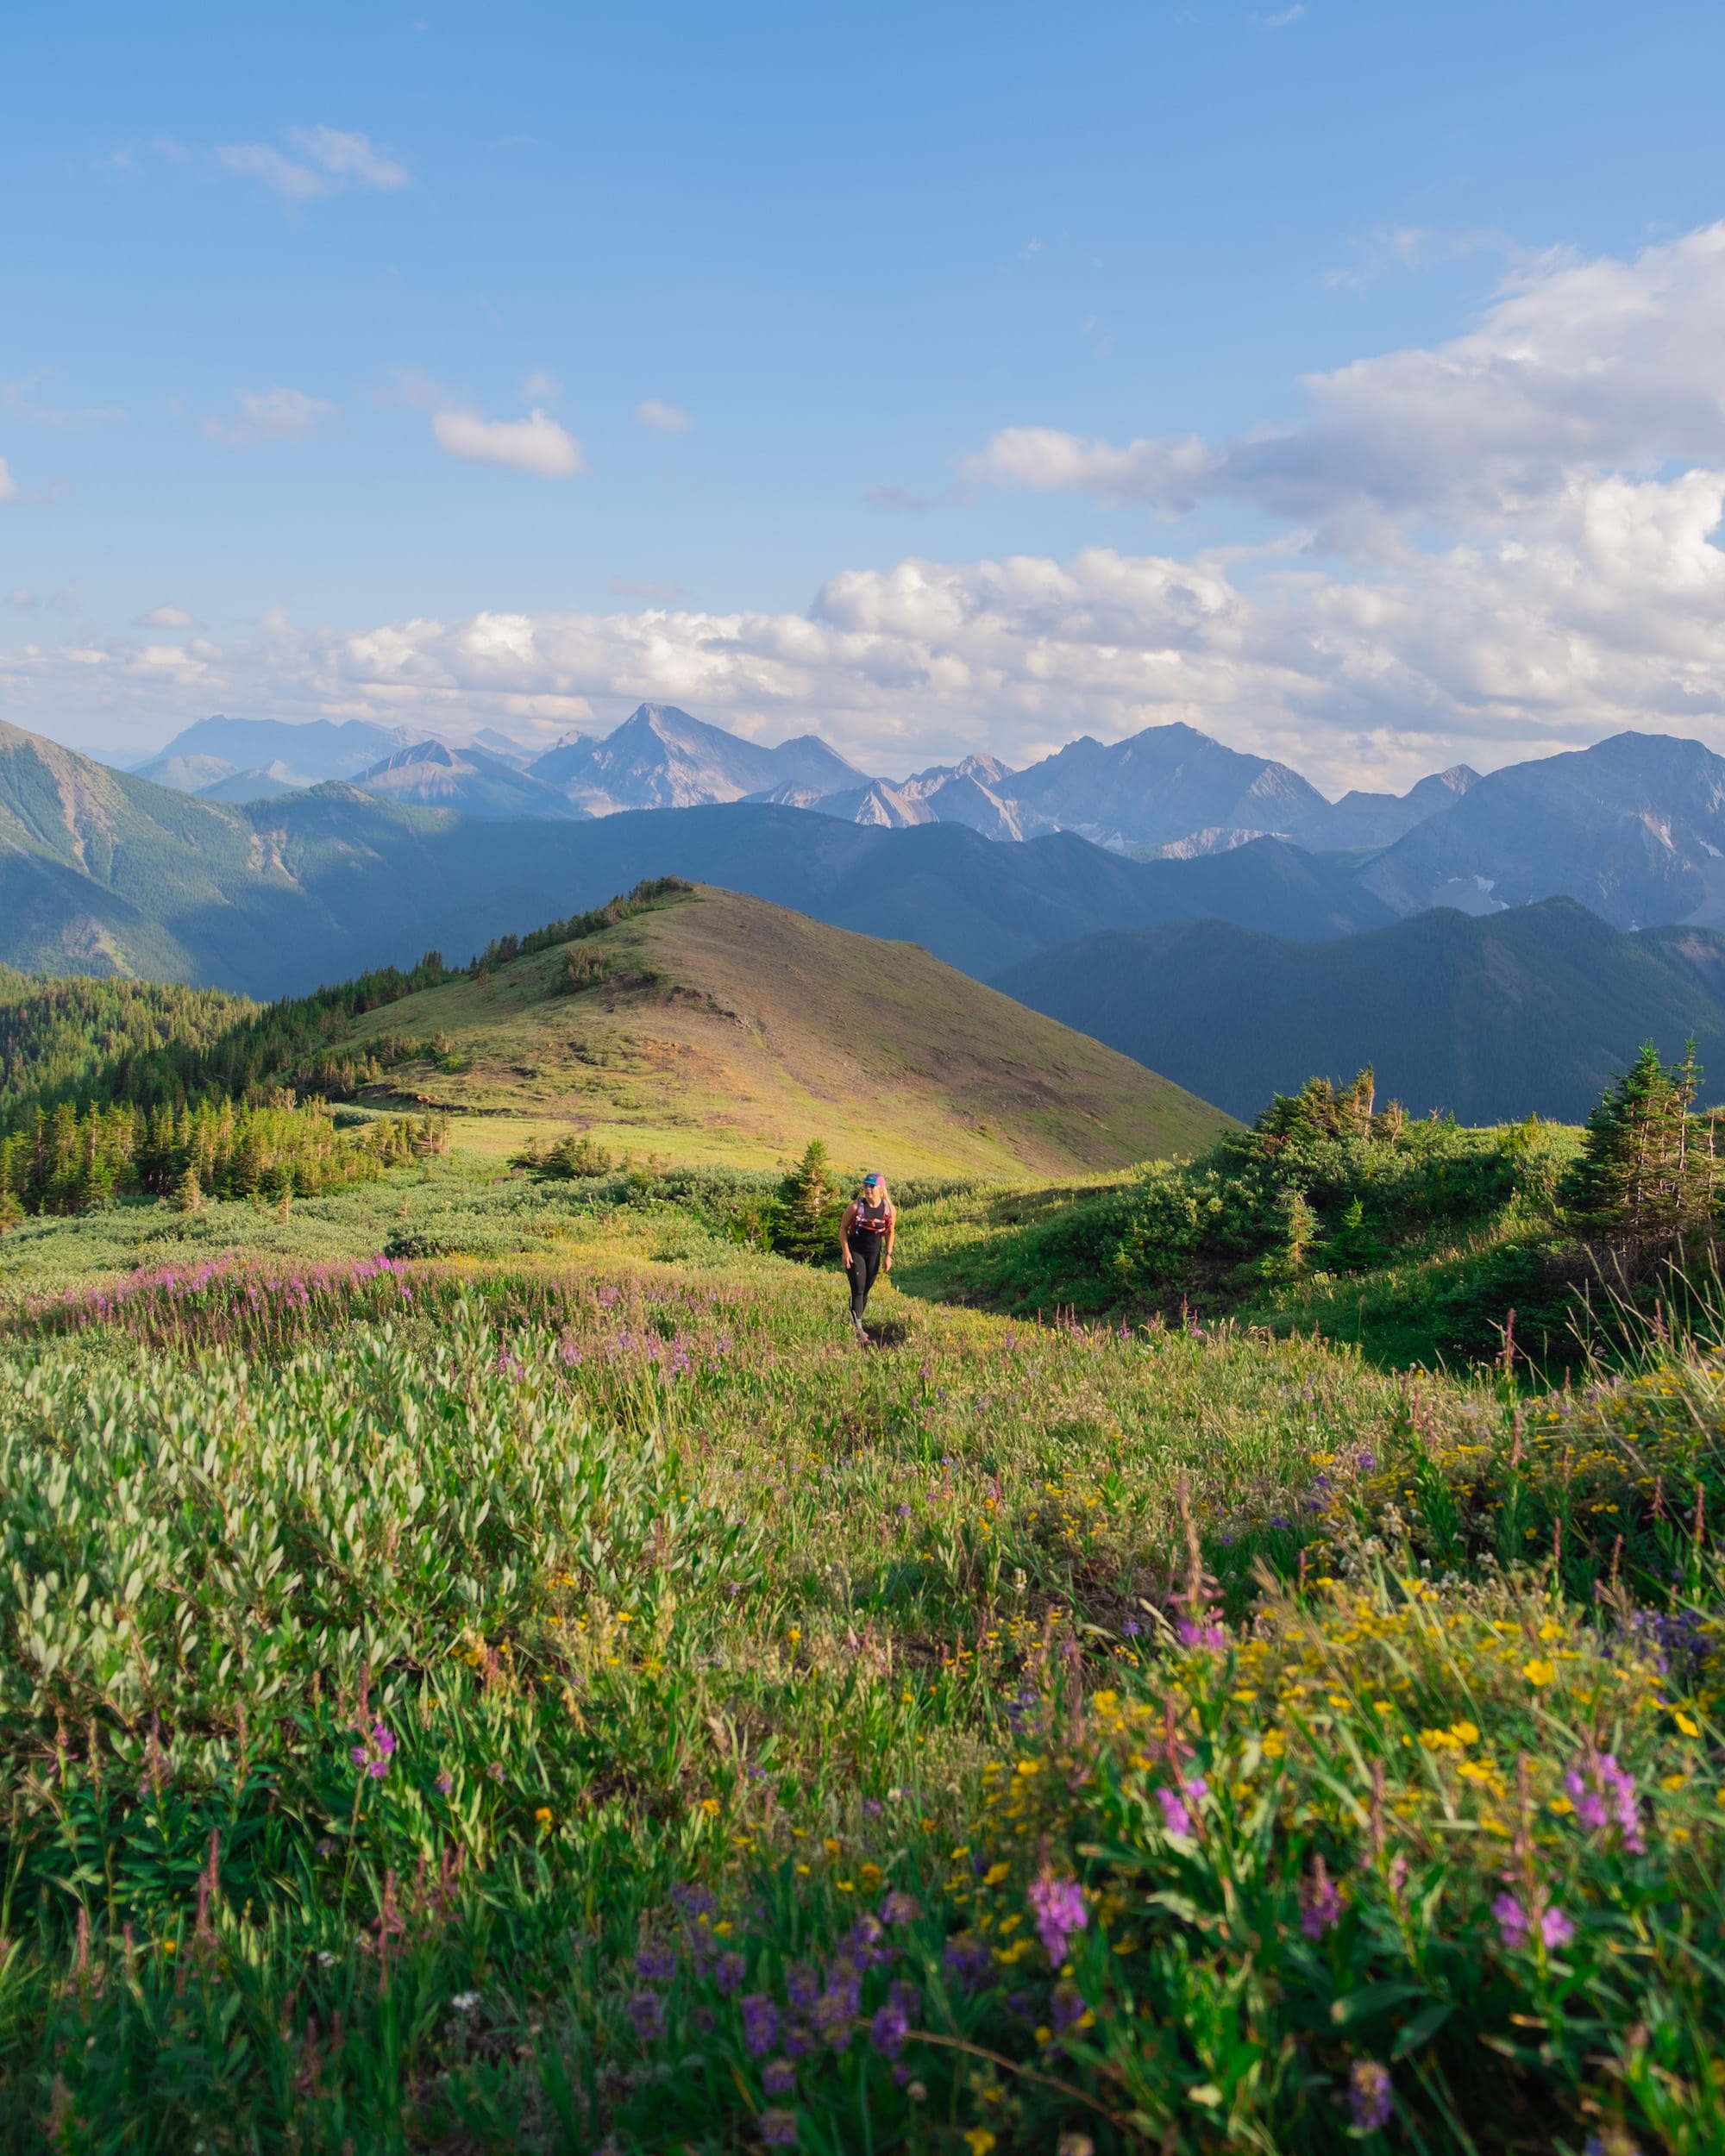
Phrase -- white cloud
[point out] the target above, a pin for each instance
(347, 158)
(329, 161)
(1414, 247)
(1576, 368)
(164, 617)
(663, 418)
(1295, 14)
(16, 397)
(8, 486)
(535, 444)
(22, 600)
(271, 415)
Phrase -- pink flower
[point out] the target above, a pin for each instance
(1518, 1927)
(1057, 1905)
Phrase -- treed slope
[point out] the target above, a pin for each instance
(722, 1028)
(102, 872)
(1532, 1011)
(73, 1037)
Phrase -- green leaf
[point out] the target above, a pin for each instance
(1424, 2026)
(1370, 1999)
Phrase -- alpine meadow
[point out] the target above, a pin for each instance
(862, 1080)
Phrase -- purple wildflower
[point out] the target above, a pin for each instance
(1321, 1902)
(778, 2077)
(1193, 1635)
(1604, 1796)
(446, 1782)
(967, 1960)
(900, 1908)
(655, 1965)
(1370, 2096)
(1065, 2007)
(779, 2128)
(646, 2010)
(1518, 1926)
(730, 1972)
(760, 2023)
(1176, 1818)
(889, 2030)
(372, 1752)
(799, 2040)
(837, 2008)
(1057, 1905)
(692, 1902)
(802, 1985)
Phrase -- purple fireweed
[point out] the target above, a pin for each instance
(1321, 1902)
(1518, 1925)
(1603, 1795)
(373, 1752)
(1057, 1906)
(1176, 1818)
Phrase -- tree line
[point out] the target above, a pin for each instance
(68, 1161)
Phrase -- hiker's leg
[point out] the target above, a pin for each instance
(865, 1254)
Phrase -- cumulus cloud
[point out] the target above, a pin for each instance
(270, 415)
(164, 617)
(1574, 368)
(1611, 617)
(328, 161)
(535, 444)
(663, 418)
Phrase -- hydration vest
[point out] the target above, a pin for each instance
(872, 1220)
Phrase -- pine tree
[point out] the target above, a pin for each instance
(810, 1208)
(1648, 1169)
(188, 1196)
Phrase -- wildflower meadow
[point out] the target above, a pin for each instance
(583, 1702)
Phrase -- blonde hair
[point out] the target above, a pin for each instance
(862, 1193)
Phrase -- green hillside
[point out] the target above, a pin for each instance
(718, 1028)
(1530, 1011)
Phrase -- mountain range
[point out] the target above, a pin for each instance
(1533, 1010)
(105, 871)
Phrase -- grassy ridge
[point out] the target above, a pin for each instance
(717, 1028)
(538, 1708)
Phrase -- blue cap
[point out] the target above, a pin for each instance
(868, 1180)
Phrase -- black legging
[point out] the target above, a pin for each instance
(866, 1253)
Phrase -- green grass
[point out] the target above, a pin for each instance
(714, 1664)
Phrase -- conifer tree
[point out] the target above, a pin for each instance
(810, 1207)
(1648, 1169)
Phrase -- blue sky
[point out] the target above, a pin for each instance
(785, 285)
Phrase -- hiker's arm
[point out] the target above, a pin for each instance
(892, 1230)
(844, 1235)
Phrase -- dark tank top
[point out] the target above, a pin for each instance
(872, 1220)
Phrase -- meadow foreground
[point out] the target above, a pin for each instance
(590, 1704)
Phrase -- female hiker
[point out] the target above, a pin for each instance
(865, 1242)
